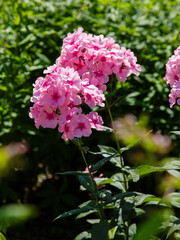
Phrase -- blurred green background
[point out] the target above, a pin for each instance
(31, 35)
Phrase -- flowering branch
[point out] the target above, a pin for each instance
(100, 210)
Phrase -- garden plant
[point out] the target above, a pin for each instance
(102, 161)
(72, 87)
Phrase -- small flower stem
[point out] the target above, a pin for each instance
(118, 147)
(100, 210)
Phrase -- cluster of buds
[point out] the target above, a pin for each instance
(79, 78)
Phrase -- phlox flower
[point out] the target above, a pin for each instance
(68, 113)
(55, 96)
(95, 120)
(87, 53)
(172, 77)
(81, 126)
(67, 131)
(77, 80)
(92, 95)
(47, 118)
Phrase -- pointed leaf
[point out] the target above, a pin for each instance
(2, 237)
(174, 173)
(134, 173)
(173, 228)
(100, 230)
(111, 233)
(119, 181)
(104, 181)
(82, 215)
(176, 132)
(86, 183)
(151, 226)
(116, 162)
(73, 173)
(106, 150)
(121, 195)
(143, 198)
(99, 164)
(107, 129)
(75, 211)
(132, 231)
(84, 235)
(172, 199)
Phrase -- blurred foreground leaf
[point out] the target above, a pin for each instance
(151, 227)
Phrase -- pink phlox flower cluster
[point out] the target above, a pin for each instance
(79, 78)
(172, 77)
(57, 99)
(97, 55)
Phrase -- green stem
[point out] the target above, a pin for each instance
(118, 146)
(121, 162)
(100, 210)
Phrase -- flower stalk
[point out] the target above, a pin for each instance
(118, 147)
(100, 210)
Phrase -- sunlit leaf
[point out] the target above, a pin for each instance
(14, 213)
(88, 206)
(84, 235)
(2, 237)
(152, 225)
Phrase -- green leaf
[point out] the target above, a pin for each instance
(84, 235)
(100, 163)
(119, 181)
(104, 194)
(152, 225)
(146, 169)
(107, 129)
(116, 162)
(86, 183)
(174, 173)
(134, 173)
(88, 206)
(125, 209)
(43, 58)
(2, 237)
(177, 235)
(106, 150)
(28, 38)
(139, 211)
(73, 173)
(84, 204)
(121, 195)
(172, 199)
(85, 214)
(175, 227)
(14, 213)
(100, 230)
(176, 132)
(143, 198)
(132, 231)
(111, 233)
(100, 181)
(3, 88)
